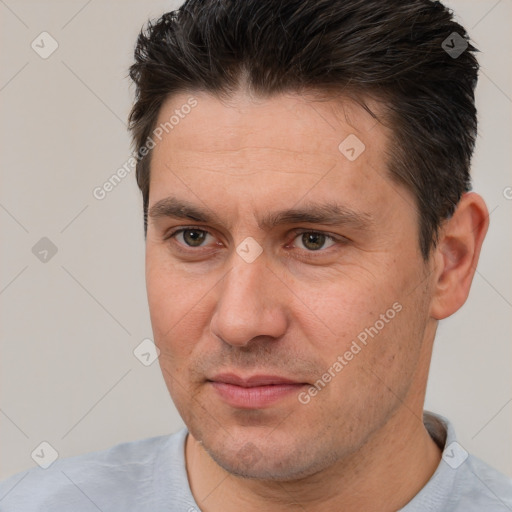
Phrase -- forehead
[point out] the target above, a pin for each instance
(279, 150)
(301, 124)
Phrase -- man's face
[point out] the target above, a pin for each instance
(289, 299)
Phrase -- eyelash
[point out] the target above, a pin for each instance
(297, 232)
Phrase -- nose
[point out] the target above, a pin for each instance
(250, 303)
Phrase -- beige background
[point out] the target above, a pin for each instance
(69, 326)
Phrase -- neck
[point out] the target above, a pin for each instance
(384, 474)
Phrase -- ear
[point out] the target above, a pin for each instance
(456, 255)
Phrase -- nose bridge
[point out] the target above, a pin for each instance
(247, 304)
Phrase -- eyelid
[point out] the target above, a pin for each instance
(172, 233)
(179, 229)
(296, 232)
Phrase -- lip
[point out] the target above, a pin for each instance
(253, 381)
(253, 392)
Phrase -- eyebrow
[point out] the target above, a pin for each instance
(329, 213)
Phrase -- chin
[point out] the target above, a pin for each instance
(268, 462)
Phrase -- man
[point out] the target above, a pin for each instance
(304, 167)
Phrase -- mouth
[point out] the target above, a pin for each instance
(253, 392)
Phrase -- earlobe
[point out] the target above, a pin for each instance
(457, 254)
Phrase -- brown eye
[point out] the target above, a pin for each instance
(194, 237)
(314, 240)
(190, 237)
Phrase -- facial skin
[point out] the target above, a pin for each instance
(359, 443)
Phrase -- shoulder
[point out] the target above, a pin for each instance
(462, 482)
(479, 486)
(109, 479)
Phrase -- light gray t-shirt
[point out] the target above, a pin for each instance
(149, 475)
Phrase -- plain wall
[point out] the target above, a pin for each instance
(69, 325)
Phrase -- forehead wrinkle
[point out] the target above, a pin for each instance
(245, 174)
(301, 166)
(332, 156)
(328, 213)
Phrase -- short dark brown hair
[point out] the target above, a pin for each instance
(396, 51)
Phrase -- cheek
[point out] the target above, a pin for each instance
(166, 292)
(394, 353)
(351, 308)
(167, 299)
(179, 305)
(378, 326)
